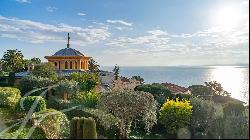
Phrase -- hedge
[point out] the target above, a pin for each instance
(9, 96)
(29, 101)
(30, 83)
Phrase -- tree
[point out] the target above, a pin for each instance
(46, 70)
(206, 119)
(93, 66)
(116, 71)
(138, 78)
(128, 106)
(86, 81)
(159, 92)
(35, 60)
(200, 90)
(12, 61)
(216, 88)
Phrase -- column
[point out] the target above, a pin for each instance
(73, 61)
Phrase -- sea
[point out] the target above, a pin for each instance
(234, 79)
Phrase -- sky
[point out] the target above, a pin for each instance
(130, 32)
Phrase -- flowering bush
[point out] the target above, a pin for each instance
(9, 96)
(54, 124)
(175, 115)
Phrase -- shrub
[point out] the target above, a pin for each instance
(58, 103)
(87, 81)
(183, 96)
(129, 105)
(86, 99)
(45, 70)
(236, 126)
(175, 115)
(206, 119)
(30, 82)
(15, 133)
(11, 79)
(89, 129)
(54, 123)
(233, 108)
(159, 92)
(9, 96)
(26, 103)
(66, 87)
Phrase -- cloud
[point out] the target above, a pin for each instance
(81, 14)
(245, 2)
(155, 38)
(37, 32)
(120, 22)
(51, 8)
(23, 1)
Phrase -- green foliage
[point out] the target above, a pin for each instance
(11, 79)
(200, 90)
(59, 104)
(233, 108)
(183, 96)
(206, 119)
(83, 128)
(129, 105)
(89, 129)
(66, 86)
(106, 123)
(159, 92)
(45, 70)
(14, 133)
(12, 61)
(236, 126)
(216, 88)
(138, 78)
(9, 96)
(86, 81)
(26, 103)
(93, 66)
(30, 82)
(35, 60)
(54, 124)
(86, 99)
(116, 71)
(175, 114)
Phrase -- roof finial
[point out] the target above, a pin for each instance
(68, 41)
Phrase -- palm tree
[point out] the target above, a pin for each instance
(12, 61)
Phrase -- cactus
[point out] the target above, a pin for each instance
(83, 128)
(89, 129)
(73, 124)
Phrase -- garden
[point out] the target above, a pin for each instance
(45, 106)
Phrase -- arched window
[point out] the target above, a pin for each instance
(55, 64)
(66, 65)
(75, 65)
(71, 65)
(59, 65)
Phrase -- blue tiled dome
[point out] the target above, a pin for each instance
(68, 52)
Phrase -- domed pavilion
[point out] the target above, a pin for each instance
(69, 59)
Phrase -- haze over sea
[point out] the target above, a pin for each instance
(234, 79)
